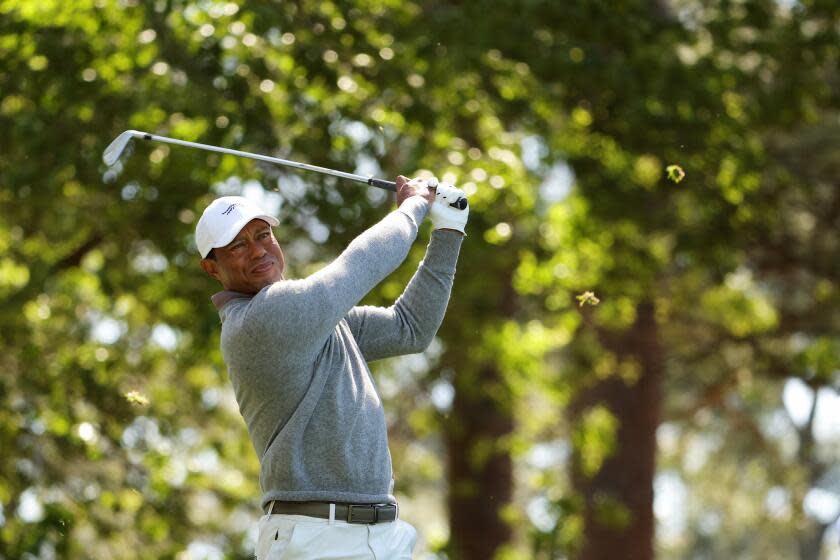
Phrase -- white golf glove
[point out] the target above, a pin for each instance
(450, 209)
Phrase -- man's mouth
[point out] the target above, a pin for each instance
(262, 267)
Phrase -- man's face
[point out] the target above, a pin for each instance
(250, 262)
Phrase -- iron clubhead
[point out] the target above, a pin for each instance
(115, 149)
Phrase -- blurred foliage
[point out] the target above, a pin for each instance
(562, 122)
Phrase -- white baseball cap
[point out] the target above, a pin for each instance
(223, 219)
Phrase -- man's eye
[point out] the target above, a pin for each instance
(265, 235)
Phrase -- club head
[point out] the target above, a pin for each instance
(115, 149)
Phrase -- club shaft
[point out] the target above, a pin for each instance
(372, 181)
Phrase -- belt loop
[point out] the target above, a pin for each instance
(270, 507)
(332, 514)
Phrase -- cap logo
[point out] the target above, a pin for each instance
(230, 208)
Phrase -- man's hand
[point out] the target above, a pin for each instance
(409, 187)
(450, 208)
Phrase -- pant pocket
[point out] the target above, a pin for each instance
(280, 546)
(394, 541)
(406, 538)
(275, 534)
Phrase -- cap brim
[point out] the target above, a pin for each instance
(237, 227)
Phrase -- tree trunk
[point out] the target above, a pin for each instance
(480, 470)
(626, 476)
(480, 422)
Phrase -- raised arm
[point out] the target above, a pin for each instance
(409, 325)
(302, 313)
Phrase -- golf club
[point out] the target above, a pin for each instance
(115, 149)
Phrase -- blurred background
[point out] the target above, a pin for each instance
(690, 410)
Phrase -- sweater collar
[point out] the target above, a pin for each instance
(220, 299)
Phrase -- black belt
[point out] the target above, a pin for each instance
(351, 513)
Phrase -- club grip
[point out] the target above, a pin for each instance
(382, 184)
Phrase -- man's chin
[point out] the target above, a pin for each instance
(261, 281)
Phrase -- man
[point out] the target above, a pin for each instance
(297, 353)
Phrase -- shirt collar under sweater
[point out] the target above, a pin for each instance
(220, 299)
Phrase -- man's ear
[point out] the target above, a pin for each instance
(211, 267)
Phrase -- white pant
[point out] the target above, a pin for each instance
(293, 537)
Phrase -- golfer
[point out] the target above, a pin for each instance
(297, 353)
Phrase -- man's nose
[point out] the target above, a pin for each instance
(257, 250)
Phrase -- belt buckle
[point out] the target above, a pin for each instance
(352, 507)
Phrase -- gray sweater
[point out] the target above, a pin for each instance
(297, 355)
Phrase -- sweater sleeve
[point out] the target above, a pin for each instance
(411, 323)
(303, 313)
